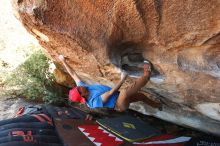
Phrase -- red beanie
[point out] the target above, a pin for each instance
(74, 96)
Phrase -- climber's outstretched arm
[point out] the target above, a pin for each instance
(69, 70)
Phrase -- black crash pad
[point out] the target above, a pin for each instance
(128, 127)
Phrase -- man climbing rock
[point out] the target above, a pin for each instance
(98, 96)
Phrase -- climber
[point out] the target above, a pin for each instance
(98, 96)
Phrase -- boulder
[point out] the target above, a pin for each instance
(99, 38)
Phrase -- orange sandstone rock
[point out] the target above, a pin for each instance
(180, 38)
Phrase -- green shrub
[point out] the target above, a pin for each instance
(33, 80)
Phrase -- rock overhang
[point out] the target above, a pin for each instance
(180, 39)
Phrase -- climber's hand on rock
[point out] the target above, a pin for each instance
(61, 58)
(124, 75)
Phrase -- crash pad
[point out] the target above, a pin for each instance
(128, 127)
(68, 131)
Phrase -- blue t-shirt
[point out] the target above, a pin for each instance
(95, 92)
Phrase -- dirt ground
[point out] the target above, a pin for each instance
(16, 44)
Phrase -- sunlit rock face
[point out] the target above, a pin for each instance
(180, 38)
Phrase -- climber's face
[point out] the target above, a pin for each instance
(83, 92)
